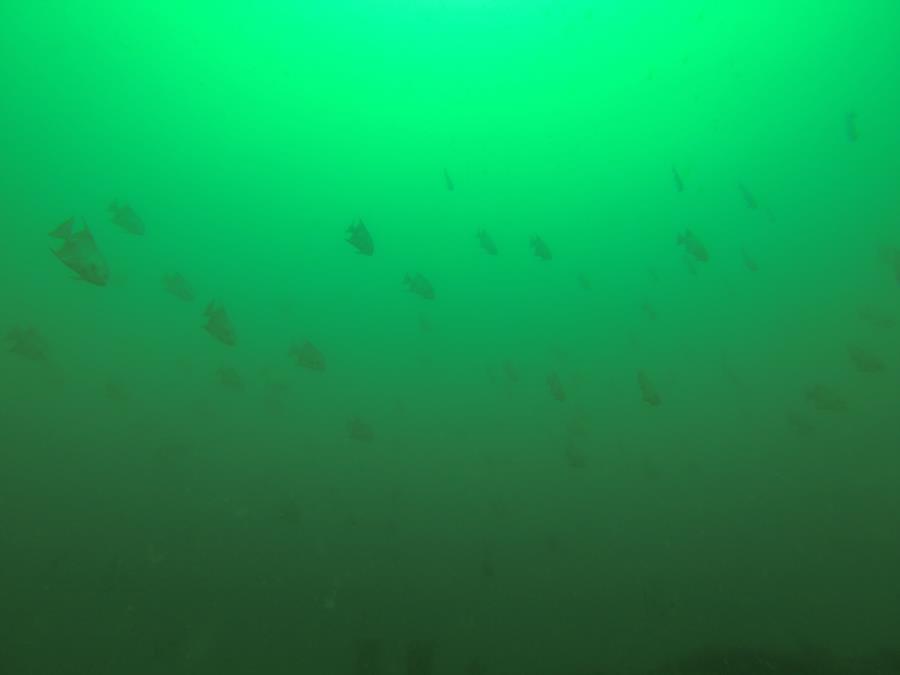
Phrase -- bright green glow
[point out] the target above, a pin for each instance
(249, 137)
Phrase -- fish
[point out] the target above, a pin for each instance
(850, 126)
(864, 360)
(360, 430)
(575, 455)
(178, 286)
(230, 378)
(448, 182)
(541, 250)
(876, 317)
(79, 252)
(679, 183)
(748, 260)
(219, 325)
(584, 281)
(799, 423)
(359, 237)
(419, 285)
(308, 356)
(554, 384)
(894, 262)
(28, 343)
(487, 243)
(649, 310)
(116, 391)
(693, 246)
(125, 217)
(825, 399)
(511, 371)
(649, 393)
(748, 197)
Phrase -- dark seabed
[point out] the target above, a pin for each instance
(435, 337)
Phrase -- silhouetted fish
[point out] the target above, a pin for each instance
(748, 197)
(308, 356)
(448, 181)
(648, 390)
(28, 343)
(419, 285)
(679, 183)
(748, 260)
(358, 236)
(487, 243)
(178, 286)
(876, 317)
(693, 246)
(850, 127)
(125, 217)
(230, 378)
(80, 254)
(360, 430)
(554, 384)
(864, 360)
(823, 398)
(540, 248)
(219, 325)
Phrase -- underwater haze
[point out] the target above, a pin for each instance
(432, 337)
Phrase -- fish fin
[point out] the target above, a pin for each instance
(63, 230)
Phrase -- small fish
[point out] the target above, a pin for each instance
(448, 182)
(693, 246)
(679, 183)
(825, 399)
(850, 127)
(748, 197)
(511, 371)
(800, 423)
(308, 356)
(748, 260)
(864, 360)
(424, 323)
(125, 217)
(80, 254)
(875, 317)
(178, 286)
(28, 343)
(487, 243)
(541, 250)
(230, 378)
(419, 285)
(649, 393)
(358, 236)
(894, 262)
(649, 310)
(584, 281)
(219, 325)
(360, 430)
(575, 455)
(116, 391)
(554, 384)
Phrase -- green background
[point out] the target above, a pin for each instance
(153, 521)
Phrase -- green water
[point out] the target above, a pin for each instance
(170, 504)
